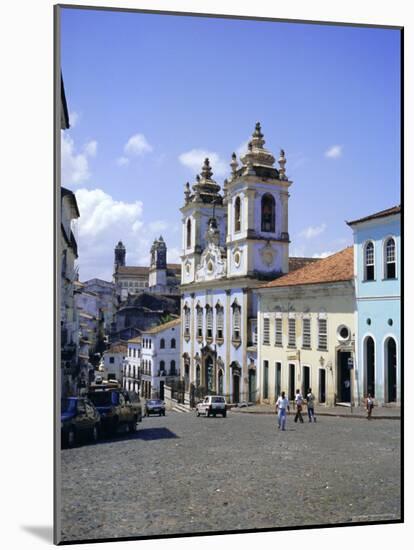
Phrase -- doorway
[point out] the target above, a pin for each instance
(209, 374)
(220, 383)
(322, 386)
(161, 390)
(369, 370)
(291, 390)
(305, 380)
(265, 379)
(344, 377)
(252, 386)
(391, 370)
(236, 388)
(278, 380)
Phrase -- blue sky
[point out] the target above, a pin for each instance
(149, 95)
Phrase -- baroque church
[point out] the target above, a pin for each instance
(233, 240)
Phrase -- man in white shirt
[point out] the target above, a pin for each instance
(298, 404)
(282, 406)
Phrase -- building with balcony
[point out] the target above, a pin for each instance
(69, 321)
(131, 366)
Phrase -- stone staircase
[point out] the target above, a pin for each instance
(178, 407)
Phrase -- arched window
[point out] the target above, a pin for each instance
(369, 260)
(189, 233)
(237, 214)
(173, 343)
(209, 322)
(389, 256)
(162, 367)
(172, 368)
(162, 343)
(268, 213)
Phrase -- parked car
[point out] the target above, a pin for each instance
(79, 420)
(212, 404)
(155, 406)
(133, 398)
(115, 411)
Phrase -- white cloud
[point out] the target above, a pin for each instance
(103, 222)
(312, 231)
(137, 145)
(73, 119)
(174, 255)
(323, 254)
(91, 148)
(334, 152)
(194, 160)
(242, 149)
(158, 226)
(75, 166)
(122, 161)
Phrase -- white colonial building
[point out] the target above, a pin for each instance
(306, 327)
(131, 366)
(159, 358)
(232, 241)
(114, 360)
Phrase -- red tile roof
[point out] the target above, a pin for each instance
(338, 267)
(382, 214)
(296, 262)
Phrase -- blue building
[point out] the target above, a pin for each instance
(377, 257)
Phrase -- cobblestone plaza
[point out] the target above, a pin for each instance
(183, 474)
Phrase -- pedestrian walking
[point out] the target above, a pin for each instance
(282, 406)
(299, 405)
(369, 404)
(310, 401)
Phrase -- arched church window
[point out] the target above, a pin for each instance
(209, 322)
(237, 214)
(162, 343)
(268, 213)
(189, 233)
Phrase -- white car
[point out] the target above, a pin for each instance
(212, 404)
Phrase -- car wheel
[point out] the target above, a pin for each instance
(207, 412)
(224, 414)
(133, 426)
(94, 434)
(71, 437)
(214, 414)
(163, 414)
(198, 413)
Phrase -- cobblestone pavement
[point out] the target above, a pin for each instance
(183, 474)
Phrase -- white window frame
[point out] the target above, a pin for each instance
(366, 265)
(385, 259)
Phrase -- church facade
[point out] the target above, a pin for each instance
(233, 239)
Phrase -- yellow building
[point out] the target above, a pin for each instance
(306, 334)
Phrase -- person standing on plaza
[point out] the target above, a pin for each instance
(282, 406)
(298, 404)
(310, 403)
(369, 404)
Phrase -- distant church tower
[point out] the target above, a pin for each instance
(120, 253)
(158, 266)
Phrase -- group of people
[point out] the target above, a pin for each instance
(282, 408)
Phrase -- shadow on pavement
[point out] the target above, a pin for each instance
(146, 434)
